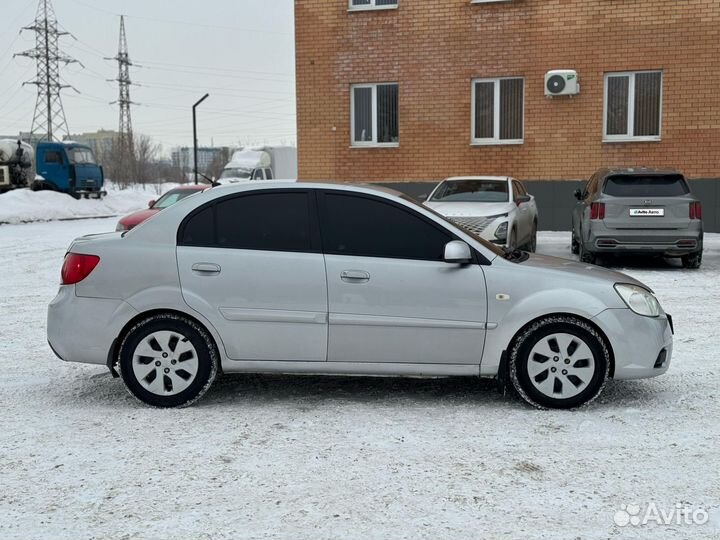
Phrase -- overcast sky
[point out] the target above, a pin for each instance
(240, 51)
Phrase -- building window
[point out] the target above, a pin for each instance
(374, 112)
(497, 106)
(633, 106)
(357, 5)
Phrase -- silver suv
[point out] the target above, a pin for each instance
(634, 211)
(320, 278)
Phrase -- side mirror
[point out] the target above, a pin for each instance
(578, 194)
(457, 252)
(151, 204)
(522, 199)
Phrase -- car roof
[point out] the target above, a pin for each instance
(191, 187)
(315, 184)
(635, 171)
(499, 178)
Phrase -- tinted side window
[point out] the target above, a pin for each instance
(199, 229)
(362, 226)
(266, 221)
(268, 174)
(673, 185)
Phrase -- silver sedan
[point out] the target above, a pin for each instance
(330, 279)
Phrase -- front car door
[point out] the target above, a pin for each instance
(391, 297)
(251, 264)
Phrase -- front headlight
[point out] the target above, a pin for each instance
(640, 300)
(501, 231)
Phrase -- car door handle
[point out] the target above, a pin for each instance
(355, 276)
(206, 269)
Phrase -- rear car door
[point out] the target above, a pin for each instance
(391, 297)
(251, 264)
(650, 201)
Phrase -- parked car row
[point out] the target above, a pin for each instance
(341, 279)
(618, 212)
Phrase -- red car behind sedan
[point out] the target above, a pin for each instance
(168, 199)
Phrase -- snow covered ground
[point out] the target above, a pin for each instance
(312, 457)
(24, 205)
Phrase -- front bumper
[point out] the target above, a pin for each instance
(81, 329)
(638, 342)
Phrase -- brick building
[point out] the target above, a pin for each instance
(418, 90)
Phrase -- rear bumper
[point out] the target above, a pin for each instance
(658, 241)
(82, 329)
(642, 346)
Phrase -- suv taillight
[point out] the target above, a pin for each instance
(77, 267)
(597, 210)
(695, 210)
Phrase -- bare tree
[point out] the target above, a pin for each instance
(146, 152)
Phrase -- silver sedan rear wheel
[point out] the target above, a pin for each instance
(165, 363)
(168, 360)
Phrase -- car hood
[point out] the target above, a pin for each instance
(470, 209)
(574, 270)
(138, 217)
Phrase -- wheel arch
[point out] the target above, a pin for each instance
(112, 357)
(585, 320)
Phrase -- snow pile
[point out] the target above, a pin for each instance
(24, 205)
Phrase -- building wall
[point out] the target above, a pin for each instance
(434, 48)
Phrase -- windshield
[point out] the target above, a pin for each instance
(488, 245)
(236, 172)
(171, 197)
(472, 191)
(81, 155)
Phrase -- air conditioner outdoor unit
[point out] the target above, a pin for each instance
(561, 82)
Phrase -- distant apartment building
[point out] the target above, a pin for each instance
(100, 141)
(418, 90)
(182, 157)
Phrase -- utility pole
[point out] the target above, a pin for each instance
(125, 153)
(195, 141)
(49, 117)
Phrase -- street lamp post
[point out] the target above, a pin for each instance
(195, 141)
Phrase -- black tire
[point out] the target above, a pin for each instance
(692, 261)
(574, 245)
(587, 256)
(531, 336)
(531, 246)
(205, 349)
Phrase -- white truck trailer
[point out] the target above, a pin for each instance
(261, 163)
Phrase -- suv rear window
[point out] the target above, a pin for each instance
(671, 185)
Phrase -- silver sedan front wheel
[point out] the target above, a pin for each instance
(559, 362)
(561, 365)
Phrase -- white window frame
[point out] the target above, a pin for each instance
(373, 143)
(370, 6)
(495, 139)
(630, 128)
(487, 1)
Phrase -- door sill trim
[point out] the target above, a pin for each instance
(380, 369)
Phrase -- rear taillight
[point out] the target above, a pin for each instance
(77, 267)
(695, 210)
(597, 210)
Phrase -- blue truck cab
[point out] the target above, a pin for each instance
(70, 168)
